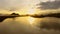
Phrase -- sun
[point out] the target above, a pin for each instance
(31, 11)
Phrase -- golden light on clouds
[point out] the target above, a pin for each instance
(29, 7)
(24, 6)
(21, 6)
(31, 11)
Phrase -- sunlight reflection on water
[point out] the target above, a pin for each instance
(22, 24)
(26, 25)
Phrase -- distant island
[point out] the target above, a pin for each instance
(14, 14)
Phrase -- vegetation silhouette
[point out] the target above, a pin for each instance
(13, 15)
(57, 15)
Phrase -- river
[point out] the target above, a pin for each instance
(26, 25)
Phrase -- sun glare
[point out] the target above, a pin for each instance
(31, 11)
(31, 20)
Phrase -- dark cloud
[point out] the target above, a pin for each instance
(50, 5)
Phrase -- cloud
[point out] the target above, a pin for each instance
(50, 5)
(11, 4)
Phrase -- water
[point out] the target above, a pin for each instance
(27, 25)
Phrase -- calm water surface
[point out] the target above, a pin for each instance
(26, 25)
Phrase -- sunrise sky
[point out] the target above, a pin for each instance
(20, 6)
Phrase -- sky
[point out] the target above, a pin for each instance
(21, 6)
(6, 4)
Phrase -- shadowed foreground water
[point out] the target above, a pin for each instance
(21, 25)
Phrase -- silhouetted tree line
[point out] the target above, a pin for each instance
(57, 15)
(51, 15)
